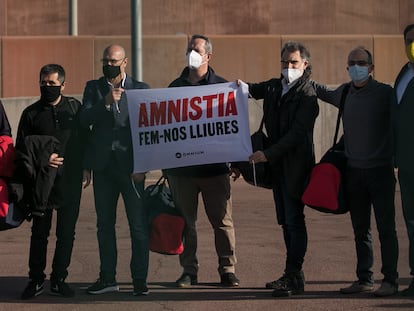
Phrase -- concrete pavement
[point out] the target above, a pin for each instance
(329, 265)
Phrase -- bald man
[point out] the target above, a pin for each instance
(109, 156)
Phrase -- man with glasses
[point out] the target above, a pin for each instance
(404, 87)
(50, 146)
(109, 156)
(369, 176)
(290, 108)
(211, 180)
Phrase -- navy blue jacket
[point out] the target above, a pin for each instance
(110, 130)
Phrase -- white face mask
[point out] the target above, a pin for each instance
(194, 60)
(292, 74)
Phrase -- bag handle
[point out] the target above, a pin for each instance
(160, 181)
(340, 111)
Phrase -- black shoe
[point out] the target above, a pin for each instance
(409, 291)
(33, 289)
(276, 283)
(186, 280)
(101, 286)
(140, 288)
(229, 280)
(60, 288)
(289, 284)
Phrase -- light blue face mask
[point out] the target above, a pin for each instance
(358, 74)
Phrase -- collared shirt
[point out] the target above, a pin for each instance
(286, 86)
(121, 85)
(403, 83)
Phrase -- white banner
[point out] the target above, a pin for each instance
(182, 126)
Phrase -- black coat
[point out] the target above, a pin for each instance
(107, 127)
(44, 129)
(289, 122)
(404, 130)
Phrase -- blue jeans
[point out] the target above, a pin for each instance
(406, 179)
(373, 187)
(107, 186)
(290, 216)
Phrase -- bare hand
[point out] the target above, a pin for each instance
(55, 161)
(114, 96)
(257, 157)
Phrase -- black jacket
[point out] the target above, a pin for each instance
(44, 129)
(403, 123)
(289, 122)
(206, 170)
(110, 130)
(35, 174)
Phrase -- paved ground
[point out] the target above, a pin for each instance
(330, 264)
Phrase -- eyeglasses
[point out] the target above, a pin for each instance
(358, 62)
(112, 61)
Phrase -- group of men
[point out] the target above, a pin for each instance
(77, 142)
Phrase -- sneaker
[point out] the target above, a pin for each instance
(60, 288)
(357, 287)
(288, 285)
(101, 287)
(229, 280)
(33, 289)
(186, 280)
(140, 288)
(409, 291)
(386, 289)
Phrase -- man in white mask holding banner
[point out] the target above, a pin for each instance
(211, 180)
(290, 108)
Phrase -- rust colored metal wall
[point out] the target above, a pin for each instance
(31, 18)
(213, 17)
(250, 58)
(22, 58)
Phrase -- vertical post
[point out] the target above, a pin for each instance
(136, 39)
(73, 17)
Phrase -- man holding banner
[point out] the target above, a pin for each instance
(211, 180)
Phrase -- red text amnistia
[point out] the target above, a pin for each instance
(184, 109)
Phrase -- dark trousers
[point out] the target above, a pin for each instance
(373, 187)
(406, 179)
(67, 215)
(107, 186)
(290, 216)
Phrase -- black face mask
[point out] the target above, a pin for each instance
(49, 94)
(111, 72)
